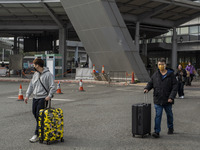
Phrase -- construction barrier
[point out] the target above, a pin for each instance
(117, 76)
(3, 71)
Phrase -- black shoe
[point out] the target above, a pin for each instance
(155, 135)
(170, 131)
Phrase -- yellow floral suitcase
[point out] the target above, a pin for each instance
(51, 125)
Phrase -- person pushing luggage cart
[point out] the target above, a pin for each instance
(165, 86)
(41, 82)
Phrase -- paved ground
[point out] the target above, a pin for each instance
(99, 118)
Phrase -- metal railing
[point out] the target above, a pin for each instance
(117, 76)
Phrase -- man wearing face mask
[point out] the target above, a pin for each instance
(164, 83)
(42, 86)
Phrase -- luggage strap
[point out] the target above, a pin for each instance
(47, 93)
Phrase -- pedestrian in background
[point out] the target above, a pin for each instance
(191, 72)
(164, 83)
(42, 86)
(181, 77)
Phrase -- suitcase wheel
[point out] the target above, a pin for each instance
(133, 135)
(62, 140)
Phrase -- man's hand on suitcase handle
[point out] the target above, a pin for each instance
(170, 100)
(146, 91)
(48, 98)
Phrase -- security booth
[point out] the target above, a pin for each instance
(54, 63)
(43, 57)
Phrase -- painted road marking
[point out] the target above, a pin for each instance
(54, 99)
(126, 90)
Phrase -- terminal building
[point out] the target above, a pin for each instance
(122, 35)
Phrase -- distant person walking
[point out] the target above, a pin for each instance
(164, 83)
(181, 76)
(190, 71)
(42, 86)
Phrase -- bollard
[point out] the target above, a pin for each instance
(133, 80)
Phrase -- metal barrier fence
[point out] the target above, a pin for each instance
(117, 76)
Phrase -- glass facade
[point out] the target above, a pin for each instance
(185, 34)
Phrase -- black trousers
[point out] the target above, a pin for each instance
(181, 89)
(37, 105)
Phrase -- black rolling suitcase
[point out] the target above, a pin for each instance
(141, 118)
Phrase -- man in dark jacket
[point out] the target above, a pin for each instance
(164, 84)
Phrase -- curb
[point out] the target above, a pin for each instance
(69, 81)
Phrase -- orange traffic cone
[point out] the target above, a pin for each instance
(103, 69)
(20, 95)
(94, 69)
(81, 86)
(58, 88)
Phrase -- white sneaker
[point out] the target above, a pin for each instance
(182, 97)
(34, 139)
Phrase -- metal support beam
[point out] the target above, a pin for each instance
(29, 27)
(181, 21)
(27, 1)
(174, 49)
(153, 21)
(154, 12)
(62, 48)
(187, 4)
(53, 15)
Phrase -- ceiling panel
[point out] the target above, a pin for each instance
(153, 4)
(138, 2)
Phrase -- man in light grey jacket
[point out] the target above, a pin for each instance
(42, 87)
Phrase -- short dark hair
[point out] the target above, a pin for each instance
(162, 60)
(39, 61)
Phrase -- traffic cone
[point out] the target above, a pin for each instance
(20, 95)
(94, 69)
(81, 86)
(58, 88)
(103, 69)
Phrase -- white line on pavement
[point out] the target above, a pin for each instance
(54, 99)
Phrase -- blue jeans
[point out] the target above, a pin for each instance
(158, 118)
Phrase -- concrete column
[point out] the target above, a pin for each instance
(2, 55)
(137, 36)
(174, 49)
(105, 36)
(62, 47)
(76, 55)
(15, 45)
(54, 46)
(145, 47)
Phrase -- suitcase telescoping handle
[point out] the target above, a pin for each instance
(145, 97)
(45, 104)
